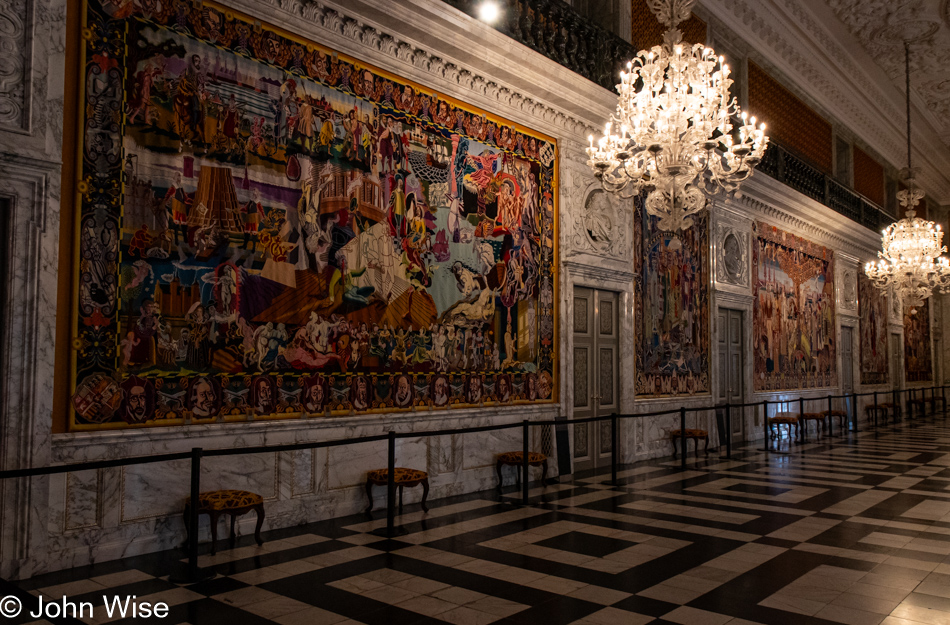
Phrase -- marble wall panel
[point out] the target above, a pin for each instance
(480, 449)
(149, 493)
(82, 499)
(347, 466)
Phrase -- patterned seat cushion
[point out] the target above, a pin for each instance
(834, 413)
(690, 433)
(517, 457)
(227, 500)
(813, 416)
(402, 476)
(785, 419)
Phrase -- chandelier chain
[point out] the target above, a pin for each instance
(910, 258)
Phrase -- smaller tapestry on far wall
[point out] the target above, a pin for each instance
(793, 312)
(918, 365)
(873, 310)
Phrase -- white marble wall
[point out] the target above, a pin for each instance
(31, 101)
(62, 521)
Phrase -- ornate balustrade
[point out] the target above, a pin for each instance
(796, 173)
(554, 29)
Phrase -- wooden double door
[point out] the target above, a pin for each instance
(595, 375)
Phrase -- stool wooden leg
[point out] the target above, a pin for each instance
(673, 443)
(706, 447)
(214, 529)
(544, 471)
(232, 538)
(425, 494)
(369, 495)
(498, 470)
(400, 498)
(260, 523)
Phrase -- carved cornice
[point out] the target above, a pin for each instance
(802, 227)
(401, 52)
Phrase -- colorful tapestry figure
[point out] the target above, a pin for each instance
(672, 295)
(793, 312)
(918, 364)
(267, 227)
(873, 309)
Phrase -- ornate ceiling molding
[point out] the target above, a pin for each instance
(355, 36)
(834, 79)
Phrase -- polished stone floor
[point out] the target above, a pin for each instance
(852, 529)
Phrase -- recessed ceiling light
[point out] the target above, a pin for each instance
(489, 11)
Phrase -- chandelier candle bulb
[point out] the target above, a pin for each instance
(675, 139)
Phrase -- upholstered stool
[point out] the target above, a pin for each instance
(818, 417)
(788, 419)
(402, 477)
(917, 407)
(892, 409)
(516, 459)
(840, 415)
(695, 434)
(234, 502)
(879, 410)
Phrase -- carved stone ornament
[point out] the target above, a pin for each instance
(14, 65)
(849, 290)
(600, 225)
(732, 255)
(897, 310)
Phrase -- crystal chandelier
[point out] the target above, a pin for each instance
(910, 260)
(672, 133)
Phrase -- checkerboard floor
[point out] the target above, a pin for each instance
(852, 529)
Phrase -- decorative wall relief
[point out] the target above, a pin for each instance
(268, 227)
(873, 305)
(672, 295)
(732, 255)
(848, 295)
(793, 312)
(896, 307)
(600, 226)
(918, 362)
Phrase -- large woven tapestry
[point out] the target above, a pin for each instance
(269, 228)
(793, 312)
(873, 304)
(672, 295)
(918, 364)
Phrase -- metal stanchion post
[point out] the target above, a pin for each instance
(192, 573)
(831, 420)
(728, 431)
(854, 412)
(614, 452)
(683, 439)
(765, 426)
(391, 487)
(896, 400)
(524, 463)
(802, 424)
(875, 410)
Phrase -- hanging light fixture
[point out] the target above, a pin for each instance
(672, 133)
(911, 260)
